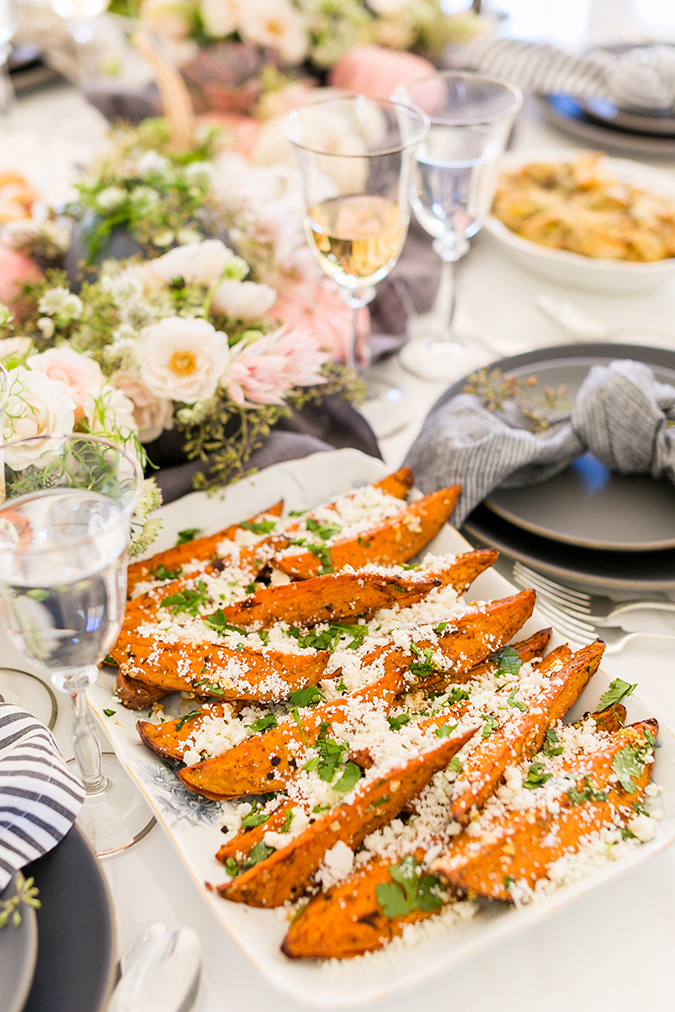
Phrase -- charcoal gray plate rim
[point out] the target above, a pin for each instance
(18, 956)
(578, 123)
(634, 492)
(75, 971)
(642, 570)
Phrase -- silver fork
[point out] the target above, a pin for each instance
(593, 608)
(581, 631)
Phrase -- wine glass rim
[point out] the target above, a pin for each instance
(515, 91)
(124, 511)
(407, 107)
(4, 391)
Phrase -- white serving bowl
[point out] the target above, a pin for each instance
(573, 269)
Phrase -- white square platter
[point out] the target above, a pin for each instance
(190, 821)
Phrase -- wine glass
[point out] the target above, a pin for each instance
(64, 532)
(456, 177)
(356, 157)
(80, 18)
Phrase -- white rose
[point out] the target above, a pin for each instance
(14, 346)
(182, 359)
(199, 263)
(275, 23)
(242, 300)
(110, 411)
(80, 374)
(152, 414)
(36, 406)
(220, 17)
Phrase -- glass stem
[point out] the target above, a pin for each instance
(444, 303)
(86, 743)
(357, 354)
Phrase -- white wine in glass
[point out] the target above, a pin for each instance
(357, 238)
(356, 158)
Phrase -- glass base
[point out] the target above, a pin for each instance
(117, 817)
(440, 361)
(30, 693)
(387, 409)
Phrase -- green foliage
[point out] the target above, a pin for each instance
(412, 889)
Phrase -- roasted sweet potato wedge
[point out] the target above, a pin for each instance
(286, 874)
(329, 598)
(201, 550)
(522, 732)
(397, 484)
(528, 649)
(209, 669)
(265, 762)
(170, 738)
(239, 848)
(347, 920)
(393, 541)
(520, 846)
(136, 694)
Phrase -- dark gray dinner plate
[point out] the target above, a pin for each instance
(76, 936)
(587, 505)
(585, 488)
(567, 113)
(18, 953)
(659, 124)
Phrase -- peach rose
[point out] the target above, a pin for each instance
(152, 414)
(77, 372)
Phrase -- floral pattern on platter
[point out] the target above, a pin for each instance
(174, 800)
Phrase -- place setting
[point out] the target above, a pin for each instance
(317, 684)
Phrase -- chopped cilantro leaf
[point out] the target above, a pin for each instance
(629, 763)
(457, 695)
(287, 821)
(455, 764)
(212, 687)
(304, 697)
(536, 777)
(231, 867)
(189, 601)
(325, 531)
(587, 793)
(320, 808)
(189, 534)
(264, 636)
(508, 662)
(552, 746)
(322, 553)
(259, 526)
(296, 513)
(341, 687)
(110, 713)
(263, 723)
(445, 730)
(257, 854)
(440, 627)
(618, 690)
(396, 723)
(350, 776)
(384, 800)
(218, 622)
(188, 716)
(512, 701)
(423, 666)
(626, 834)
(251, 588)
(411, 889)
(255, 817)
(331, 637)
(160, 572)
(490, 724)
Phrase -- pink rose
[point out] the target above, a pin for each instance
(78, 373)
(324, 314)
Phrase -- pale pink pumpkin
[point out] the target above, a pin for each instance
(15, 268)
(376, 71)
(244, 129)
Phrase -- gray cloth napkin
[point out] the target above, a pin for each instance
(40, 796)
(641, 78)
(620, 414)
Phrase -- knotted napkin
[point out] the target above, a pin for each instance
(621, 415)
(641, 78)
(40, 797)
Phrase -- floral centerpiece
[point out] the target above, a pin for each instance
(181, 342)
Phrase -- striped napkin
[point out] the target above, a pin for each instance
(621, 414)
(40, 797)
(642, 78)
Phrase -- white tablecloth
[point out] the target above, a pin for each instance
(612, 950)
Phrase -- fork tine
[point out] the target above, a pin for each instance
(550, 587)
(570, 626)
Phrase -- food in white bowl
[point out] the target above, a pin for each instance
(583, 219)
